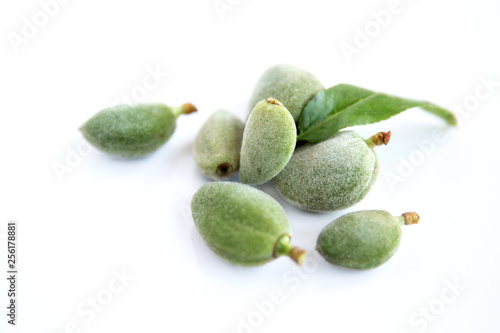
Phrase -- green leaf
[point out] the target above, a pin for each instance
(344, 105)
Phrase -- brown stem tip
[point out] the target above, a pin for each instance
(188, 108)
(381, 138)
(298, 255)
(273, 100)
(411, 218)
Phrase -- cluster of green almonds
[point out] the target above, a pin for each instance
(245, 226)
(323, 177)
(242, 224)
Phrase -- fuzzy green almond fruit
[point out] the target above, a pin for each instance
(242, 224)
(363, 240)
(291, 85)
(268, 142)
(332, 174)
(217, 146)
(135, 130)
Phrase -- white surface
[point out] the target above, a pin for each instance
(111, 215)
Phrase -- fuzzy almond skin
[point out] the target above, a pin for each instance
(291, 85)
(129, 131)
(217, 146)
(268, 142)
(330, 175)
(360, 240)
(238, 222)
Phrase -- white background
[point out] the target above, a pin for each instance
(108, 215)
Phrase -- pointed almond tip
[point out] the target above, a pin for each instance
(298, 255)
(274, 101)
(379, 139)
(411, 218)
(188, 108)
(387, 137)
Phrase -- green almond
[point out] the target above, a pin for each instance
(291, 85)
(333, 174)
(242, 225)
(217, 146)
(268, 142)
(363, 240)
(137, 130)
